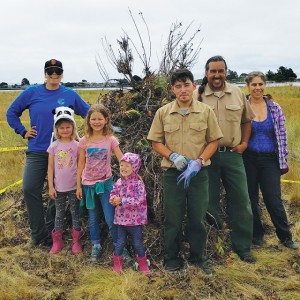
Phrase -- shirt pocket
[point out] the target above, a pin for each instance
(172, 134)
(197, 133)
(233, 113)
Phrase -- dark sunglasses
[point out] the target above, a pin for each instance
(57, 71)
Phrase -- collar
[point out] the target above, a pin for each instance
(227, 89)
(192, 108)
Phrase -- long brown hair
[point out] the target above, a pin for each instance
(107, 129)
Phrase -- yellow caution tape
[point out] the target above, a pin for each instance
(7, 149)
(5, 122)
(290, 181)
(10, 186)
(20, 181)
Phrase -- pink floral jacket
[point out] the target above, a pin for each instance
(133, 210)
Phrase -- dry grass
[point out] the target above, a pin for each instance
(27, 273)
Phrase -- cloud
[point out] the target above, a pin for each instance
(258, 35)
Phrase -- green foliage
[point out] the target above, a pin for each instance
(220, 245)
(143, 144)
(161, 81)
(25, 81)
(283, 74)
(231, 75)
(132, 114)
(3, 85)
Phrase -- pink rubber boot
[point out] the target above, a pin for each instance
(117, 263)
(143, 264)
(76, 246)
(57, 241)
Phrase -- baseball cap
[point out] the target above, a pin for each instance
(53, 63)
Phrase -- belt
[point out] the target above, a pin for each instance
(224, 148)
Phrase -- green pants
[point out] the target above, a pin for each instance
(229, 167)
(179, 202)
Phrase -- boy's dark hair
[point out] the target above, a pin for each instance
(182, 75)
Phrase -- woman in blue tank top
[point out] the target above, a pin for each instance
(265, 161)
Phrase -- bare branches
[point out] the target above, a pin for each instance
(143, 56)
(122, 62)
(179, 53)
(102, 69)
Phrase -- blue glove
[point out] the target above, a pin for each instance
(192, 169)
(179, 161)
(117, 129)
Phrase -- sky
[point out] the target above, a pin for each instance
(251, 35)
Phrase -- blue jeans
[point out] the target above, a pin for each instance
(35, 171)
(94, 217)
(136, 235)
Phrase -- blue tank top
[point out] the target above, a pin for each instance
(263, 136)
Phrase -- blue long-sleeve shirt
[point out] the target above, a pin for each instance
(40, 102)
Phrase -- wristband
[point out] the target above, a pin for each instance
(202, 160)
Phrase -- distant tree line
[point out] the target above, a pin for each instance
(283, 74)
(25, 82)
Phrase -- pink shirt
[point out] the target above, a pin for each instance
(97, 159)
(65, 165)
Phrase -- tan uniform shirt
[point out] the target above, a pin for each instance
(184, 134)
(231, 109)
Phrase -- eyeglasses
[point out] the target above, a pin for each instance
(57, 71)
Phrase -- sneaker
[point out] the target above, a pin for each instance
(290, 244)
(257, 241)
(248, 258)
(203, 265)
(173, 265)
(206, 269)
(96, 250)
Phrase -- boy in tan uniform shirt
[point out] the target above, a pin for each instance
(185, 133)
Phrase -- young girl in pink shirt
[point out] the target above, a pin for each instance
(62, 168)
(94, 175)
